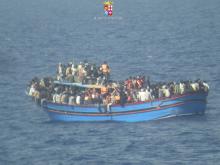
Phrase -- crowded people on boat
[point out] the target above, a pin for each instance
(84, 72)
(106, 91)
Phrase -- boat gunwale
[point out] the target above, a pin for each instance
(125, 112)
(135, 103)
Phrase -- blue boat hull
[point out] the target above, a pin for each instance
(142, 111)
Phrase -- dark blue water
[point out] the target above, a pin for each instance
(166, 39)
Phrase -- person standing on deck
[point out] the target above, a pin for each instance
(105, 70)
(60, 72)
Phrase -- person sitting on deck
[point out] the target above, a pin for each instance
(104, 90)
(58, 98)
(71, 100)
(86, 99)
(64, 98)
(78, 99)
(109, 102)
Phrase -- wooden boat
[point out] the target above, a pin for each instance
(187, 104)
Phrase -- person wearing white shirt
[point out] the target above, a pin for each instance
(32, 90)
(71, 100)
(148, 95)
(58, 98)
(78, 99)
(142, 95)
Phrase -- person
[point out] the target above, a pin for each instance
(139, 82)
(54, 97)
(171, 88)
(129, 98)
(71, 100)
(99, 80)
(69, 74)
(134, 82)
(37, 96)
(74, 70)
(94, 73)
(99, 100)
(117, 98)
(123, 97)
(58, 98)
(166, 92)
(206, 86)
(108, 103)
(32, 90)
(86, 99)
(134, 95)
(69, 70)
(128, 84)
(176, 88)
(64, 98)
(60, 71)
(81, 73)
(182, 88)
(160, 92)
(104, 90)
(42, 83)
(142, 95)
(105, 70)
(78, 99)
(148, 94)
(195, 86)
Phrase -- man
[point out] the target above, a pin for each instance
(78, 99)
(123, 97)
(60, 71)
(166, 92)
(206, 86)
(148, 94)
(69, 70)
(105, 70)
(142, 95)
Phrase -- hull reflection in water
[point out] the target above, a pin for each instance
(136, 112)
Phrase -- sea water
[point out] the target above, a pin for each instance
(165, 39)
